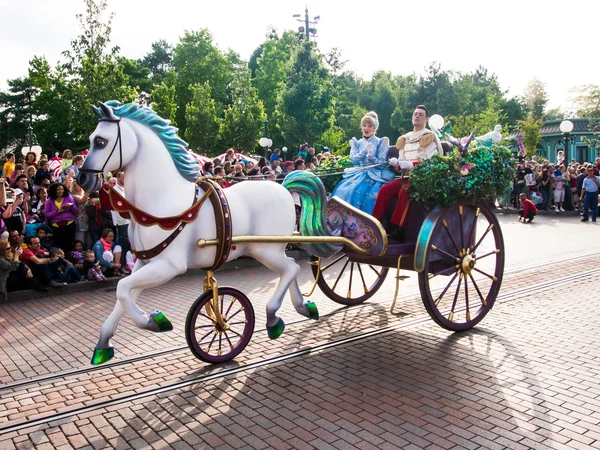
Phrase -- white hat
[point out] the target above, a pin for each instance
(18, 192)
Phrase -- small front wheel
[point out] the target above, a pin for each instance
(211, 341)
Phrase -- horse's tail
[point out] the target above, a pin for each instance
(313, 221)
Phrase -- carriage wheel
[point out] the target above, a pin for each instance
(208, 340)
(347, 282)
(464, 266)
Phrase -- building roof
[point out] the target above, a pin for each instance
(552, 128)
(580, 125)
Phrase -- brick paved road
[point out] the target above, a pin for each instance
(524, 377)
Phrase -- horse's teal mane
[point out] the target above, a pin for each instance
(184, 161)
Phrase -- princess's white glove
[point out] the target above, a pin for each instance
(406, 165)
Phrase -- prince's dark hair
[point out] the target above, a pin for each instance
(424, 108)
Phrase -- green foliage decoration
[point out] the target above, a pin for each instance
(330, 172)
(438, 181)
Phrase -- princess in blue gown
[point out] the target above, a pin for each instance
(361, 183)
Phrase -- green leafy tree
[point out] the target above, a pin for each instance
(270, 71)
(513, 110)
(15, 112)
(241, 126)
(304, 103)
(530, 130)
(202, 130)
(436, 91)
(197, 61)
(163, 102)
(159, 61)
(406, 100)
(535, 99)
(137, 76)
(93, 70)
(463, 125)
(381, 98)
(53, 108)
(587, 100)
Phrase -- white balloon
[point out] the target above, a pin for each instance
(436, 121)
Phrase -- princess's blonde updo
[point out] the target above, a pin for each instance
(372, 118)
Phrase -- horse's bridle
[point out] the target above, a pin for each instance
(116, 120)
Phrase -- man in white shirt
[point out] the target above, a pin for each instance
(413, 147)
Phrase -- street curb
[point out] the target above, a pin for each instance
(111, 283)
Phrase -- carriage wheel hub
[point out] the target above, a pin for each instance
(220, 328)
(467, 264)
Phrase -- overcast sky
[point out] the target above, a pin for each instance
(516, 40)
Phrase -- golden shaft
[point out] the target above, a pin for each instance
(295, 239)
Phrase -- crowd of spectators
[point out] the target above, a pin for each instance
(551, 187)
(52, 233)
(235, 167)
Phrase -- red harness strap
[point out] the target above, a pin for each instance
(126, 209)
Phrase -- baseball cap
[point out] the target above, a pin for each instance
(18, 192)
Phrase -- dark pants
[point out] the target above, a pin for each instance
(63, 237)
(18, 280)
(68, 273)
(123, 239)
(530, 215)
(545, 200)
(590, 201)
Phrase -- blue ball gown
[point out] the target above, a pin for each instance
(361, 183)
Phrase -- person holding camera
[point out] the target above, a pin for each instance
(14, 213)
(61, 212)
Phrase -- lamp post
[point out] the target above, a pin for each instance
(31, 141)
(566, 126)
(306, 29)
(265, 142)
(284, 150)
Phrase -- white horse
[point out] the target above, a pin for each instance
(160, 182)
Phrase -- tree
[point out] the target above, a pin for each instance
(53, 108)
(159, 61)
(202, 130)
(197, 61)
(464, 124)
(163, 102)
(530, 130)
(241, 126)
(435, 90)
(270, 73)
(381, 98)
(15, 112)
(93, 70)
(535, 99)
(587, 100)
(304, 103)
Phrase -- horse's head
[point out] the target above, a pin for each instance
(109, 146)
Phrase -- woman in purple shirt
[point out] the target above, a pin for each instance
(61, 212)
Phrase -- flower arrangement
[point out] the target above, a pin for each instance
(482, 173)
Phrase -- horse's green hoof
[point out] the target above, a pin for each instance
(161, 320)
(276, 330)
(313, 311)
(102, 355)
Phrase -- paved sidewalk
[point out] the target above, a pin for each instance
(525, 378)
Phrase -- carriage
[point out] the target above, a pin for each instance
(457, 251)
